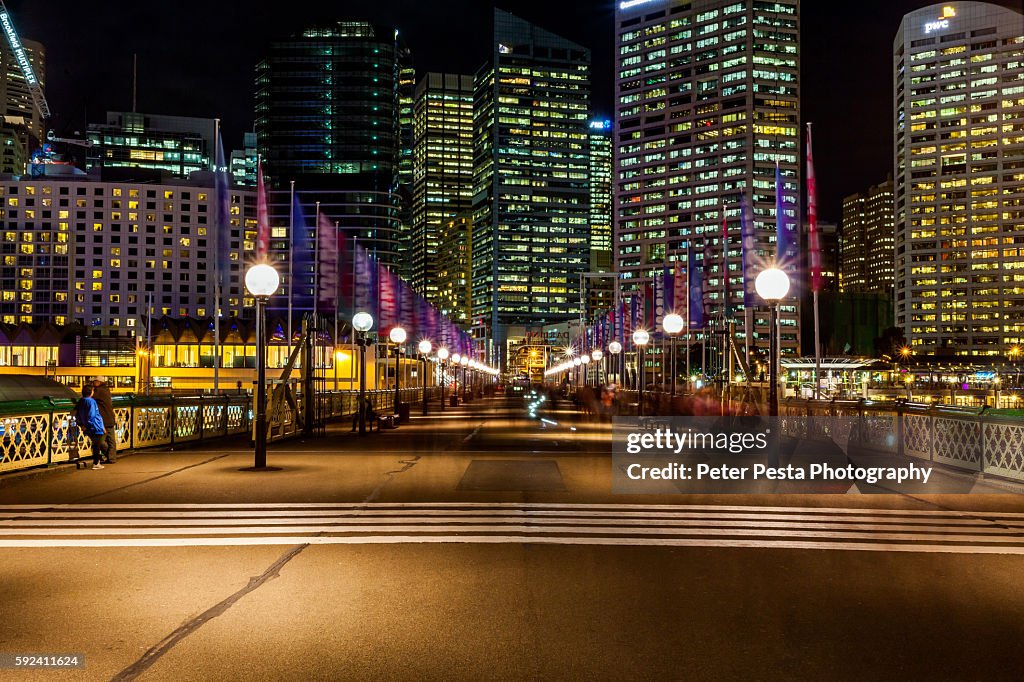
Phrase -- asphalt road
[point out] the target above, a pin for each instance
(479, 544)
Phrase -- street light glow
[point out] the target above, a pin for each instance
(362, 322)
(442, 354)
(673, 323)
(262, 280)
(425, 346)
(772, 284)
(397, 335)
(614, 347)
(641, 337)
(597, 355)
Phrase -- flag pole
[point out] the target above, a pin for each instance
(689, 388)
(291, 258)
(220, 273)
(815, 256)
(316, 269)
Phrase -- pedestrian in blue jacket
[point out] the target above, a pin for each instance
(87, 416)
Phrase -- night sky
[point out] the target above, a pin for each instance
(197, 59)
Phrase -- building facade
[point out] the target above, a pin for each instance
(959, 178)
(868, 250)
(175, 145)
(328, 105)
(531, 204)
(707, 103)
(454, 270)
(82, 251)
(15, 94)
(442, 184)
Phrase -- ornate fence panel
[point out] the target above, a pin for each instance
(24, 441)
(1004, 449)
(152, 426)
(958, 442)
(917, 435)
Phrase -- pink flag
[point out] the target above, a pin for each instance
(814, 239)
(262, 217)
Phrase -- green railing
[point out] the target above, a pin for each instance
(37, 433)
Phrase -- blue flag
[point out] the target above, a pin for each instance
(302, 261)
(696, 292)
(786, 246)
(222, 215)
(748, 252)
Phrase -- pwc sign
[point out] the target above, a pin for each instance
(942, 22)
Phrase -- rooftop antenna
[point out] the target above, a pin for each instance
(135, 79)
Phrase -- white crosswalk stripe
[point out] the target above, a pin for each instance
(171, 525)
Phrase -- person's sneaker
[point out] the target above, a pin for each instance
(97, 466)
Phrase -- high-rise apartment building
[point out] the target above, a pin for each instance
(15, 95)
(531, 204)
(868, 240)
(442, 184)
(328, 105)
(707, 103)
(959, 178)
(600, 196)
(80, 250)
(176, 145)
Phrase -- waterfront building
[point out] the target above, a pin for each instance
(958, 118)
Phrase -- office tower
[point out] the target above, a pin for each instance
(242, 165)
(328, 104)
(707, 103)
(442, 187)
(175, 145)
(86, 251)
(531, 205)
(15, 95)
(600, 291)
(454, 272)
(959, 178)
(868, 241)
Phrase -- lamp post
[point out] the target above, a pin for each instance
(615, 348)
(398, 337)
(362, 323)
(465, 365)
(261, 281)
(442, 355)
(673, 324)
(597, 356)
(585, 360)
(425, 347)
(640, 339)
(772, 285)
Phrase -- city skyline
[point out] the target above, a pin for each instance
(852, 123)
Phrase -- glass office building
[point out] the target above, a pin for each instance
(531, 204)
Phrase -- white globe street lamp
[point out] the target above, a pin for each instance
(425, 347)
(261, 281)
(397, 336)
(772, 285)
(442, 355)
(362, 322)
(641, 339)
(673, 324)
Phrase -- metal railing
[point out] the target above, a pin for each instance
(971, 439)
(44, 432)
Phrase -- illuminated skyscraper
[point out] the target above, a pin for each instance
(328, 114)
(868, 254)
(707, 103)
(959, 178)
(15, 95)
(442, 186)
(531, 205)
(600, 290)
